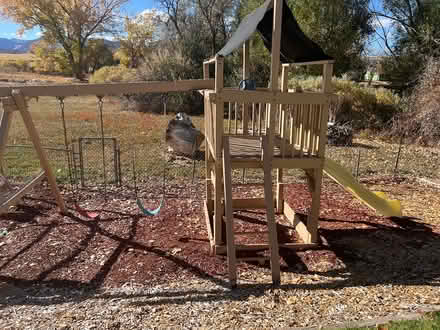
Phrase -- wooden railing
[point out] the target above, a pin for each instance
(299, 124)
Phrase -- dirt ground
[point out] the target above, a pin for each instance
(40, 246)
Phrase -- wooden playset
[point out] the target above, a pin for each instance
(280, 129)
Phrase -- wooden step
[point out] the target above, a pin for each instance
(221, 249)
(244, 233)
(261, 259)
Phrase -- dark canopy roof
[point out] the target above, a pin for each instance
(295, 45)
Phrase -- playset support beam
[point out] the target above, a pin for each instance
(17, 102)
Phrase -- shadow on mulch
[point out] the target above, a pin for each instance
(69, 252)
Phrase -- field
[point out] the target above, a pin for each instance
(12, 58)
(18, 68)
(123, 270)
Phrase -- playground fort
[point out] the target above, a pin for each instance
(293, 134)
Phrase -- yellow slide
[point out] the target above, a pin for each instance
(376, 200)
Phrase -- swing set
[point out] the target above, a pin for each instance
(73, 182)
(15, 99)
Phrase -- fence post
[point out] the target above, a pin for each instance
(118, 155)
(358, 163)
(81, 161)
(115, 159)
(398, 153)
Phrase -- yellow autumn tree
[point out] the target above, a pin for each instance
(69, 23)
(137, 38)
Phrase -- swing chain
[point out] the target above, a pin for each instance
(66, 140)
(100, 106)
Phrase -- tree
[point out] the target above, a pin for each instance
(137, 38)
(410, 35)
(340, 27)
(69, 23)
(45, 53)
(211, 20)
(97, 55)
(216, 16)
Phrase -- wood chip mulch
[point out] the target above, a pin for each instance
(125, 271)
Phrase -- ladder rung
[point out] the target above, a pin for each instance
(250, 232)
(262, 258)
(248, 184)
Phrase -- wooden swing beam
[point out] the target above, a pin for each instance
(110, 88)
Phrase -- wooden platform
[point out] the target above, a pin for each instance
(246, 152)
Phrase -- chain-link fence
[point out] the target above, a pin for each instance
(142, 162)
(146, 166)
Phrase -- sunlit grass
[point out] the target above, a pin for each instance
(144, 132)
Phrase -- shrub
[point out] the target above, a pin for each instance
(113, 74)
(8, 67)
(13, 66)
(23, 65)
(165, 64)
(420, 117)
(362, 107)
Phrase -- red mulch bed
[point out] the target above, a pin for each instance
(121, 246)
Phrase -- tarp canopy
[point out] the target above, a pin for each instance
(295, 45)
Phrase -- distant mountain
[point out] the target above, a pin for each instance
(19, 46)
(15, 45)
(112, 44)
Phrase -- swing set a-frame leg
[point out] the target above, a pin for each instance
(18, 103)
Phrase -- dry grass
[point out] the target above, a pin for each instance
(19, 67)
(29, 76)
(147, 131)
(16, 57)
(143, 131)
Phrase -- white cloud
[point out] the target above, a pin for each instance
(150, 11)
(8, 35)
(22, 36)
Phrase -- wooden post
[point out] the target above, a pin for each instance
(27, 118)
(283, 117)
(246, 63)
(205, 70)
(246, 75)
(275, 67)
(327, 88)
(5, 124)
(271, 222)
(312, 221)
(218, 145)
(230, 241)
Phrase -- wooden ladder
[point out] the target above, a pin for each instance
(270, 213)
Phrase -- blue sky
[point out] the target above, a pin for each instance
(9, 29)
(133, 7)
